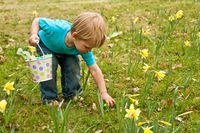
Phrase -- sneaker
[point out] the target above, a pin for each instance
(73, 99)
(53, 103)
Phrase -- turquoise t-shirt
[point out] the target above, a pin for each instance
(53, 32)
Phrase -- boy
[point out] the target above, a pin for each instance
(65, 41)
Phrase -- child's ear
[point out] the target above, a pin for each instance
(74, 35)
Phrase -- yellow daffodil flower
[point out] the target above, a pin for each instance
(136, 20)
(9, 87)
(141, 123)
(198, 34)
(144, 53)
(134, 101)
(32, 49)
(35, 13)
(3, 104)
(187, 43)
(165, 123)
(179, 14)
(171, 18)
(132, 113)
(160, 75)
(145, 67)
(147, 130)
(113, 19)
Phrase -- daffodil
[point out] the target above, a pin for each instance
(132, 113)
(147, 130)
(9, 87)
(171, 18)
(35, 13)
(198, 34)
(3, 104)
(165, 123)
(113, 19)
(136, 20)
(179, 14)
(144, 53)
(160, 75)
(145, 67)
(187, 43)
(141, 123)
(32, 49)
(134, 101)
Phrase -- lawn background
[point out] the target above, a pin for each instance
(119, 60)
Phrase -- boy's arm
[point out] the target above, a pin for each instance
(34, 38)
(99, 79)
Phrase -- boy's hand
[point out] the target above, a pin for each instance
(34, 40)
(108, 99)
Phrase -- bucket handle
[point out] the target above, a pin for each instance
(40, 48)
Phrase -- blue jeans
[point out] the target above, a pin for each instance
(70, 76)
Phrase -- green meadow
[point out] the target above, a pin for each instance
(150, 62)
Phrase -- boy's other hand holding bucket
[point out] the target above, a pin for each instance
(34, 40)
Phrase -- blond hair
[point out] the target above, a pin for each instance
(90, 26)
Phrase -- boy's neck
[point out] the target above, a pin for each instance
(68, 40)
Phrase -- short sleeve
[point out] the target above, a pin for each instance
(46, 24)
(88, 58)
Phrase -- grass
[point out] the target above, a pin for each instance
(120, 62)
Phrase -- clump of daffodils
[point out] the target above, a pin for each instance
(3, 104)
(144, 53)
(176, 16)
(160, 75)
(132, 113)
(8, 87)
